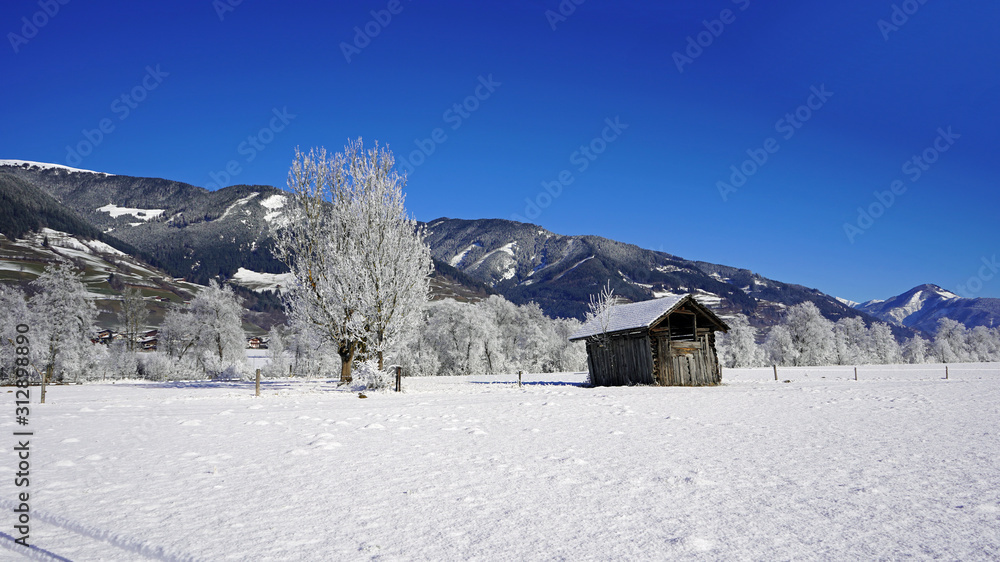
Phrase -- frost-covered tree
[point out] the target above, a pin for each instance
(515, 337)
(916, 350)
(980, 344)
(600, 310)
(951, 342)
(177, 335)
(394, 260)
(118, 361)
(811, 333)
(851, 342)
(315, 243)
(216, 315)
(418, 352)
(454, 331)
(209, 331)
(562, 354)
(738, 348)
(132, 316)
(64, 318)
(360, 262)
(885, 348)
(780, 348)
(492, 336)
(278, 366)
(309, 352)
(14, 312)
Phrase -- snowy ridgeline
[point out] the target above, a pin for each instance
(459, 468)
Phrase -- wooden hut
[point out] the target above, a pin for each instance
(668, 341)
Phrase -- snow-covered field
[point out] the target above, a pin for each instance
(900, 464)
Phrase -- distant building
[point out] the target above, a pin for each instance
(256, 343)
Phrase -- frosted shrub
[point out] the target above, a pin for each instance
(159, 366)
(367, 376)
(119, 362)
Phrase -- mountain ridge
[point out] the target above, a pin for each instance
(197, 234)
(923, 306)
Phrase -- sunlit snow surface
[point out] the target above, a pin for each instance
(900, 464)
(143, 214)
(47, 166)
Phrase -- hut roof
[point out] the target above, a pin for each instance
(642, 315)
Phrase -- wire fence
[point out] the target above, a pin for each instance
(934, 371)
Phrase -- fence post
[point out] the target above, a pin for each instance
(855, 373)
(945, 374)
(519, 378)
(258, 382)
(399, 378)
(46, 374)
(775, 372)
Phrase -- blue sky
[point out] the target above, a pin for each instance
(643, 109)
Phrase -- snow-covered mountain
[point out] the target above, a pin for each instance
(525, 262)
(187, 231)
(28, 164)
(921, 307)
(196, 234)
(106, 270)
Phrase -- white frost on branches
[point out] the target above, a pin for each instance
(361, 265)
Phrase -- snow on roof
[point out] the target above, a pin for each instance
(630, 316)
(637, 315)
(44, 166)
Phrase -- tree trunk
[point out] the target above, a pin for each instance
(346, 350)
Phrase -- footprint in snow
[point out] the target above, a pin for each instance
(374, 426)
(94, 458)
(226, 413)
(87, 410)
(71, 440)
(700, 544)
(191, 422)
(325, 446)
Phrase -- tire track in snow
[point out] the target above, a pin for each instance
(110, 537)
(33, 552)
